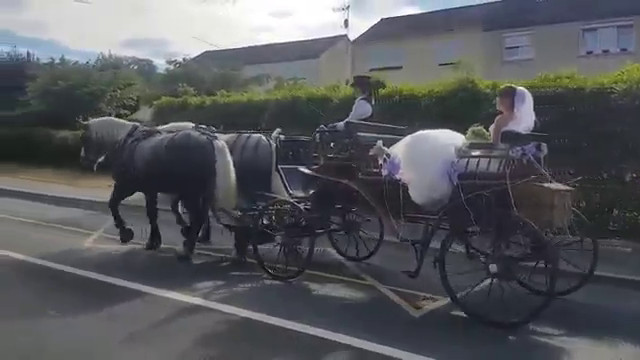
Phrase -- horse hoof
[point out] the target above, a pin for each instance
(204, 241)
(126, 235)
(152, 245)
(185, 231)
(184, 257)
(238, 260)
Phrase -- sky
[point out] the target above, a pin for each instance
(163, 29)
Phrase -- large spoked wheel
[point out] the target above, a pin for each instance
(484, 284)
(283, 243)
(577, 256)
(358, 235)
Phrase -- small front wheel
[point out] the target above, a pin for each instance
(357, 236)
(283, 242)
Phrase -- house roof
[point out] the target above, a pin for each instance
(270, 53)
(500, 15)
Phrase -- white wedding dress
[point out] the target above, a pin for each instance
(426, 158)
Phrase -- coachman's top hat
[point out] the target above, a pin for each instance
(361, 81)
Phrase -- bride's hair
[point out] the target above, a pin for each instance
(508, 92)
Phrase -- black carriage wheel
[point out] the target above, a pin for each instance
(351, 231)
(283, 222)
(498, 276)
(567, 263)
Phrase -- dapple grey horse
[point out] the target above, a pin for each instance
(194, 164)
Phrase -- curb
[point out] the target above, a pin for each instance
(626, 281)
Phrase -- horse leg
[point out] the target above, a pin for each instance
(240, 244)
(118, 194)
(155, 239)
(205, 234)
(197, 211)
(175, 209)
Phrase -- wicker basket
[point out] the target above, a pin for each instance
(547, 205)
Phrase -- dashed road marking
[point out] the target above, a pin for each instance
(95, 235)
(387, 291)
(228, 309)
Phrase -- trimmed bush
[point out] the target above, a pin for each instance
(592, 122)
(40, 146)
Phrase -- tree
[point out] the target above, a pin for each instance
(204, 80)
(65, 92)
(145, 68)
(65, 89)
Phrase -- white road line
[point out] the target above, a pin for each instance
(228, 309)
(95, 235)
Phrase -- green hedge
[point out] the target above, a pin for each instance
(304, 109)
(40, 146)
(593, 122)
(456, 103)
(594, 119)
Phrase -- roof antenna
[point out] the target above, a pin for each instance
(345, 9)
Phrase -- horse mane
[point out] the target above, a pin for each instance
(108, 129)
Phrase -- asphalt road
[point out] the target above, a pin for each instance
(69, 293)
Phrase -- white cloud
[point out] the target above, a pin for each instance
(168, 27)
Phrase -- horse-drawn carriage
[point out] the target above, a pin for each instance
(506, 219)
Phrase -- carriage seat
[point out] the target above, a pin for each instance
(253, 158)
(487, 162)
(292, 153)
(366, 134)
(355, 126)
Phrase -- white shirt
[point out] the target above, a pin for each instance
(361, 110)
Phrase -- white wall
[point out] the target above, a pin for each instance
(308, 69)
(335, 64)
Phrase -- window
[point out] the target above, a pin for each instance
(385, 57)
(447, 52)
(517, 47)
(607, 38)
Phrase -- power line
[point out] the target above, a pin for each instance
(207, 42)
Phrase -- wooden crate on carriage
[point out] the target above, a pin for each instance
(547, 205)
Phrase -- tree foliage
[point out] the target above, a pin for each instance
(61, 90)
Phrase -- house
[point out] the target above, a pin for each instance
(318, 62)
(502, 40)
